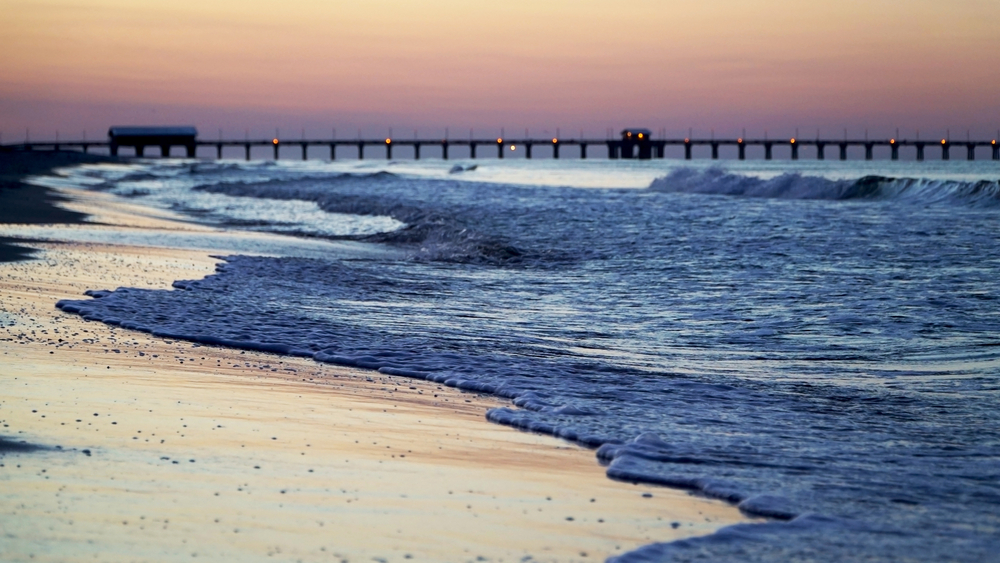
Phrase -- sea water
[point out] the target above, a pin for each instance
(815, 342)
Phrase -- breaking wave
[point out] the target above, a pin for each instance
(446, 234)
(792, 185)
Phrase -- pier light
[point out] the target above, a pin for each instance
(686, 140)
(793, 140)
(499, 141)
(994, 141)
(274, 141)
(944, 141)
(628, 134)
(388, 141)
(554, 140)
(640, 135)
(892, 141)
(512, 147)
(740, 140)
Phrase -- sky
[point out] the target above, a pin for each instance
(255, 66)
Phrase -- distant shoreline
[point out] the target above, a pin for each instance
(21, 203)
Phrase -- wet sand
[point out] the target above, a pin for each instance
(150, 449)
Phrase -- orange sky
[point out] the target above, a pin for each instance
(575, 64)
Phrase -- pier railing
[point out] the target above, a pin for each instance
(838, 148)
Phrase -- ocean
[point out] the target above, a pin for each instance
(815, 342)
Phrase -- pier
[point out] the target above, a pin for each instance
(642, 144)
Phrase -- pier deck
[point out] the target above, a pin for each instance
(499, 147)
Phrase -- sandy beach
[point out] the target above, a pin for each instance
(120, 446)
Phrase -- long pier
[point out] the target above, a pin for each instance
(838, 148)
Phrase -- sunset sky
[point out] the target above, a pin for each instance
(75, 65)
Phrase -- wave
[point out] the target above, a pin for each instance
(430, 232)
(791, 185)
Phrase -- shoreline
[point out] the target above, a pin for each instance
(24, 204)
(292, 459)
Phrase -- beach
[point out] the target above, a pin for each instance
(122, 446)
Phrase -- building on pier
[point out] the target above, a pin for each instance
(142, 137)
(636, 143)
